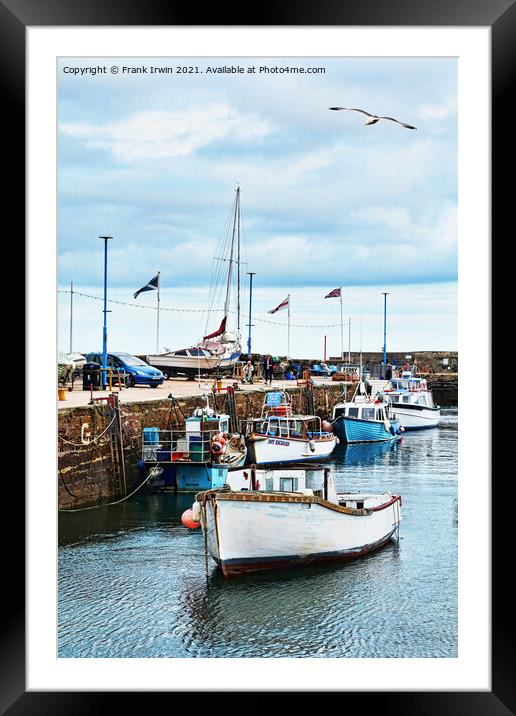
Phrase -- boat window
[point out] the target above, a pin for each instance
(367, 413)
(180, 353)
(273, 427)
(269, 484)
(406, 398)
(288, 484)
(196, 352)
(295, 427)
(339, 411)
(284, 431)
(421, 399)
(353, 412)
(379, 414)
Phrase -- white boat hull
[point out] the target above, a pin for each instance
(254, 532)
(413, 417)
(191, 364)
(269, 450)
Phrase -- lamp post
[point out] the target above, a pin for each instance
(250, 274)
(104, 328)
(71, 314)
(384, 332)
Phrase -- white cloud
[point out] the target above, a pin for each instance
(437, 111)
(163, 135)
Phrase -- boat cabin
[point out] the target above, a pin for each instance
(294, 426)
(409, 383)
(412, 391)
(362, 411)
(267, 480)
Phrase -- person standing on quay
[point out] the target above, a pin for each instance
(267, 369)
(388, 372)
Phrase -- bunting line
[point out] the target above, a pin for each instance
(198, 310)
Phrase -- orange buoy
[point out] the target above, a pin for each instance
(188, 520)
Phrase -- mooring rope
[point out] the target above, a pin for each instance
(117, 502)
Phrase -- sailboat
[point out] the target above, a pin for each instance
(220, 349)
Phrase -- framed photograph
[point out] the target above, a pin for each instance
(357, 144)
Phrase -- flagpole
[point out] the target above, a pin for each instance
(157, 327)
(349, 340)
(288, 334)
(341, 328)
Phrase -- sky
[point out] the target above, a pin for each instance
(153, 159)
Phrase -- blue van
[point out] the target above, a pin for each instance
(138, 372)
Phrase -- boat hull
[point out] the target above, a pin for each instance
(416, 417)
(190, 365)
(355, 430)
(248, 535)
(272, 450)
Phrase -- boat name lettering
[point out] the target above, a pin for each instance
(278, 442)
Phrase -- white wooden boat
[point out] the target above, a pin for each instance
(279, 436)
(412, 402)
(254, 531)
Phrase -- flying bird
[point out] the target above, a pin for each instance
(373, 118)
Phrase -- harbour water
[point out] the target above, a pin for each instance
(132, 578)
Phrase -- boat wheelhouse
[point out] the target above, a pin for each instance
(251, 531)
(413, 402)
(279, 436)
(198, 456)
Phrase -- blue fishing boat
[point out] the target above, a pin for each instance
(365, 419)
(198, 456)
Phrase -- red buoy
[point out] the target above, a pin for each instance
(188, 520)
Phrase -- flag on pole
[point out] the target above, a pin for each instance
(283, 304)
(334, 294)
(153, 284)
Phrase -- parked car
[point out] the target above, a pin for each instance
(137, 371)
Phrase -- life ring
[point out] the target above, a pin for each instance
(218, 444)
(217, 448)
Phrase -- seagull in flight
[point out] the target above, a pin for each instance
(373, 118)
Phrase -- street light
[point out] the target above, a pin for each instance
(104, 329)
(384, 332)
(250, 274)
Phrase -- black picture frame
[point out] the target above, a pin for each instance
(500, 16)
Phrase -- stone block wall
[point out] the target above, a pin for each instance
(85, 470)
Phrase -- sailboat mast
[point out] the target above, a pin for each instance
(238, 261)
(230, 270)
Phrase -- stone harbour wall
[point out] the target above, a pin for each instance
(85, 467)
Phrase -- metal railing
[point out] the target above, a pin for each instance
(182, 446)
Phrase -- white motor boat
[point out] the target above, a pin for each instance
(412, 402)
(279, 436)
